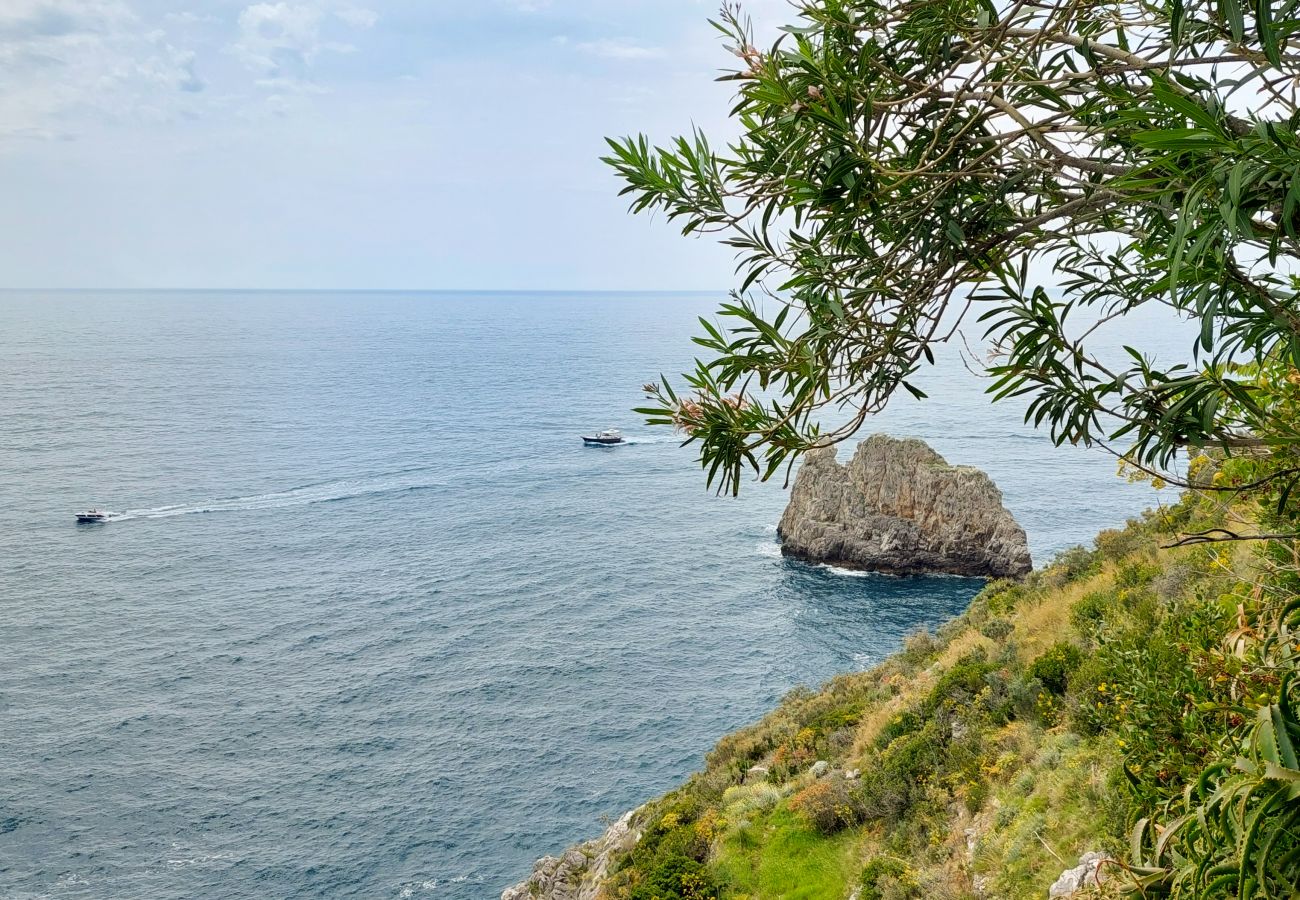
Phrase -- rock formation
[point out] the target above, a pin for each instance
(1087, 874)
(898, 507)
(578, 874)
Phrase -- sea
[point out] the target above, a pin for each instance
(370, 621)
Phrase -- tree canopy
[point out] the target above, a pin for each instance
(902, 164)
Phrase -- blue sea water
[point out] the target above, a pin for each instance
(373, 622)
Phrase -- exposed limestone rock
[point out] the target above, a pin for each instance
(578, 874)
(1085, 875)
(898, 507)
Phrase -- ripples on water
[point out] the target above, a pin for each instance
(371, 621)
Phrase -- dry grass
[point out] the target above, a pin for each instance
(1043, 621)
(912, 688)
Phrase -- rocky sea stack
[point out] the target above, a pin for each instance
(898, 507)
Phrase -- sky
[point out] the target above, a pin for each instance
(391, 144)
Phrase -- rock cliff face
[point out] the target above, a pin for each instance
(578, 874)
(1087, 874)
(898, 507)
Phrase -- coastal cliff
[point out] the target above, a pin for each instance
(580, 872)
(898, 507)
(1004, 757)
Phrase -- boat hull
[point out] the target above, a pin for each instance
(602, 442)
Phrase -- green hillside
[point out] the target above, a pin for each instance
(1126, 699)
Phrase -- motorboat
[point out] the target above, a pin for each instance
(606, 438)
(91, 516)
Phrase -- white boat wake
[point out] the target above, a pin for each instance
(324, 492)
(652, 440)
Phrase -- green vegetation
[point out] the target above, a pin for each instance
(1055, 667)
(887, 876)
(901, 164)
(1127, 699)
(780, 855)
(899, 167)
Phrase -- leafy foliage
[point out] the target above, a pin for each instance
(1236, 832)
(676, 877)
(901, 164)
(883, 873)
(1055, 667)
(828, 805)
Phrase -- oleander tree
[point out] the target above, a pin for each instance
(1026, 169)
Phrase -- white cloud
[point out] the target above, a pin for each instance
(290, 86)
(64, 63)
(189, 80)
(51, 19)
(608, 48)
(188, 17)
(227, 187)
(68, 67)
(281, 42)
(357, 17)
(279, 39)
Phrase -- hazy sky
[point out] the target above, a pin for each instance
(381, 143)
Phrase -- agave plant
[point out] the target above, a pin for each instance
(1236, 831)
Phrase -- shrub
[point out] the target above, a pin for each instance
(676, 877)
(977, 794)
(1173, 584)
(883, 873)
(995, 703)
(1024, 783)
(1073, 563)
(918, 648)
(744, 800)
(828, 805)
(1055, 666)
(707, 828)
(960, 684)
(835, 718)
(905, 722)
(1048, 758)
(1088, 706)
(1022, 693)
(840, 742)
(1239, 822)
(798, 694)
(949, 631)
(889, 788)
(669, 831)
(998, 597)
(1090, 613)
(742, 749)
(1136, 573)
(997, 629)
(1121, 542)
(1167, 687)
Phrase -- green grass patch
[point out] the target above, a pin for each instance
(780, 856)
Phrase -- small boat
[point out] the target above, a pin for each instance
(606, 438)
(93, 515)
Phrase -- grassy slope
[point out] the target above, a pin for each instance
(781, 856)
(980, 766)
